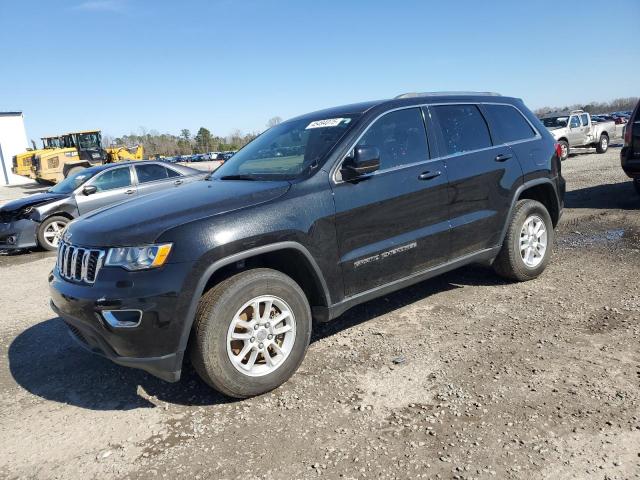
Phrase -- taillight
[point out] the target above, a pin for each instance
(558, 148)
(627, 133)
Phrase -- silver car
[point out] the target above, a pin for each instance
(38, 220)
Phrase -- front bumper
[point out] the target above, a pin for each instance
(18, 234)
(154, 344)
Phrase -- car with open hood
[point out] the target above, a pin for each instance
(38, 220)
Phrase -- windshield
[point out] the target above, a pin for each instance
(555, 122)
(73, 181)
(286, 150)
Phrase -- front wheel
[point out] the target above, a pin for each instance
(527, 245)
(603, 144)
(251, 332)
(50, 232)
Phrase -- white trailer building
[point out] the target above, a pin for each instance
(13, 140)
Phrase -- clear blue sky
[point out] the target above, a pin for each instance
(165, 65)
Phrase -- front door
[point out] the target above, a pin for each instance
(575, 135)
(394, 221)
(113, 185)
(481, 177)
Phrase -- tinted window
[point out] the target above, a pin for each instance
(116, 178)
(508, 124)
(152, 172)
(463, 128)
(585, 119)
(574, 122)
(400, 137)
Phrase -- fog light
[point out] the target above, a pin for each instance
(122, 318)
(11, 239)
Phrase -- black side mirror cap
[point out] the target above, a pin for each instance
(89, 190)
(365, 160)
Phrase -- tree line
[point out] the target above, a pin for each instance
(616, 105)
(185, 143)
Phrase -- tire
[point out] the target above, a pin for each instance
(51, 225)
(564, 148)
(510, 263)
(211, 348)
(603, 144)
(636, 185)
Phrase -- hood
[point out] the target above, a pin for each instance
(31, 201)
(142, 220)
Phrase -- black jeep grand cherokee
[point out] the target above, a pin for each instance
(316, 215)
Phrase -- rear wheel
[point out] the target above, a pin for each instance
(564, 149)
(603, 144)
(527, 245)
(50, 232)
(251, 332)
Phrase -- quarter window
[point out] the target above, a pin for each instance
(508, 124)
(399, 136)
(152, 173)
(111, 179)
(462, 128)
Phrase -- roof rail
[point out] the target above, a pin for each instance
(441, 94)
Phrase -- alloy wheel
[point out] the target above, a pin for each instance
(533, 241)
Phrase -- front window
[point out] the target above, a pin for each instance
(72, 182)
(287, 150)
(555, 122)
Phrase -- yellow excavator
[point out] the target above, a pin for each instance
(80, 150)
(23, 161)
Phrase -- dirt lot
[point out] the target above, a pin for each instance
(463, 376)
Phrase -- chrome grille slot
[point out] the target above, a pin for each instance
(79, 264)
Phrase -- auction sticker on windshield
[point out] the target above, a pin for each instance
(329, 122)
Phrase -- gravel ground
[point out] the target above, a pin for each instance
(462, 376)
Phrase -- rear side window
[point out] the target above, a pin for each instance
(152, 172)
(585, 119)
(400, 137)
(462, 127)
(508, 124)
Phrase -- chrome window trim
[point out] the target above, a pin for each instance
(335, 168)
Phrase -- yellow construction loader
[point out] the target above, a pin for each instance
(22, 162)
(81, 150)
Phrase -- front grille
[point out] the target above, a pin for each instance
(79, 264)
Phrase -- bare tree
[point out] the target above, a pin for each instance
(273, 121)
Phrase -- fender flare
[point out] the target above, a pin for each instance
(516, 195)
(236, 257)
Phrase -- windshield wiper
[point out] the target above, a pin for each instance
(238, 177)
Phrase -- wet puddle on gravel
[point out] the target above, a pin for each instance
(612, 236)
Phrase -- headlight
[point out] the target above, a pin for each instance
(138, 258)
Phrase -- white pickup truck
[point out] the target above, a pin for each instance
(576, 130)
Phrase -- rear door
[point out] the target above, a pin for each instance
(393, 222)
(153, 177)
(481, 177)
(113, 186)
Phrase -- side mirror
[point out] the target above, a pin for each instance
(89, 190)
(365, 160)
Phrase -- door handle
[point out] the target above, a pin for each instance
(429, 175)
(178, 182)
(130, 192)
(503, 157)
